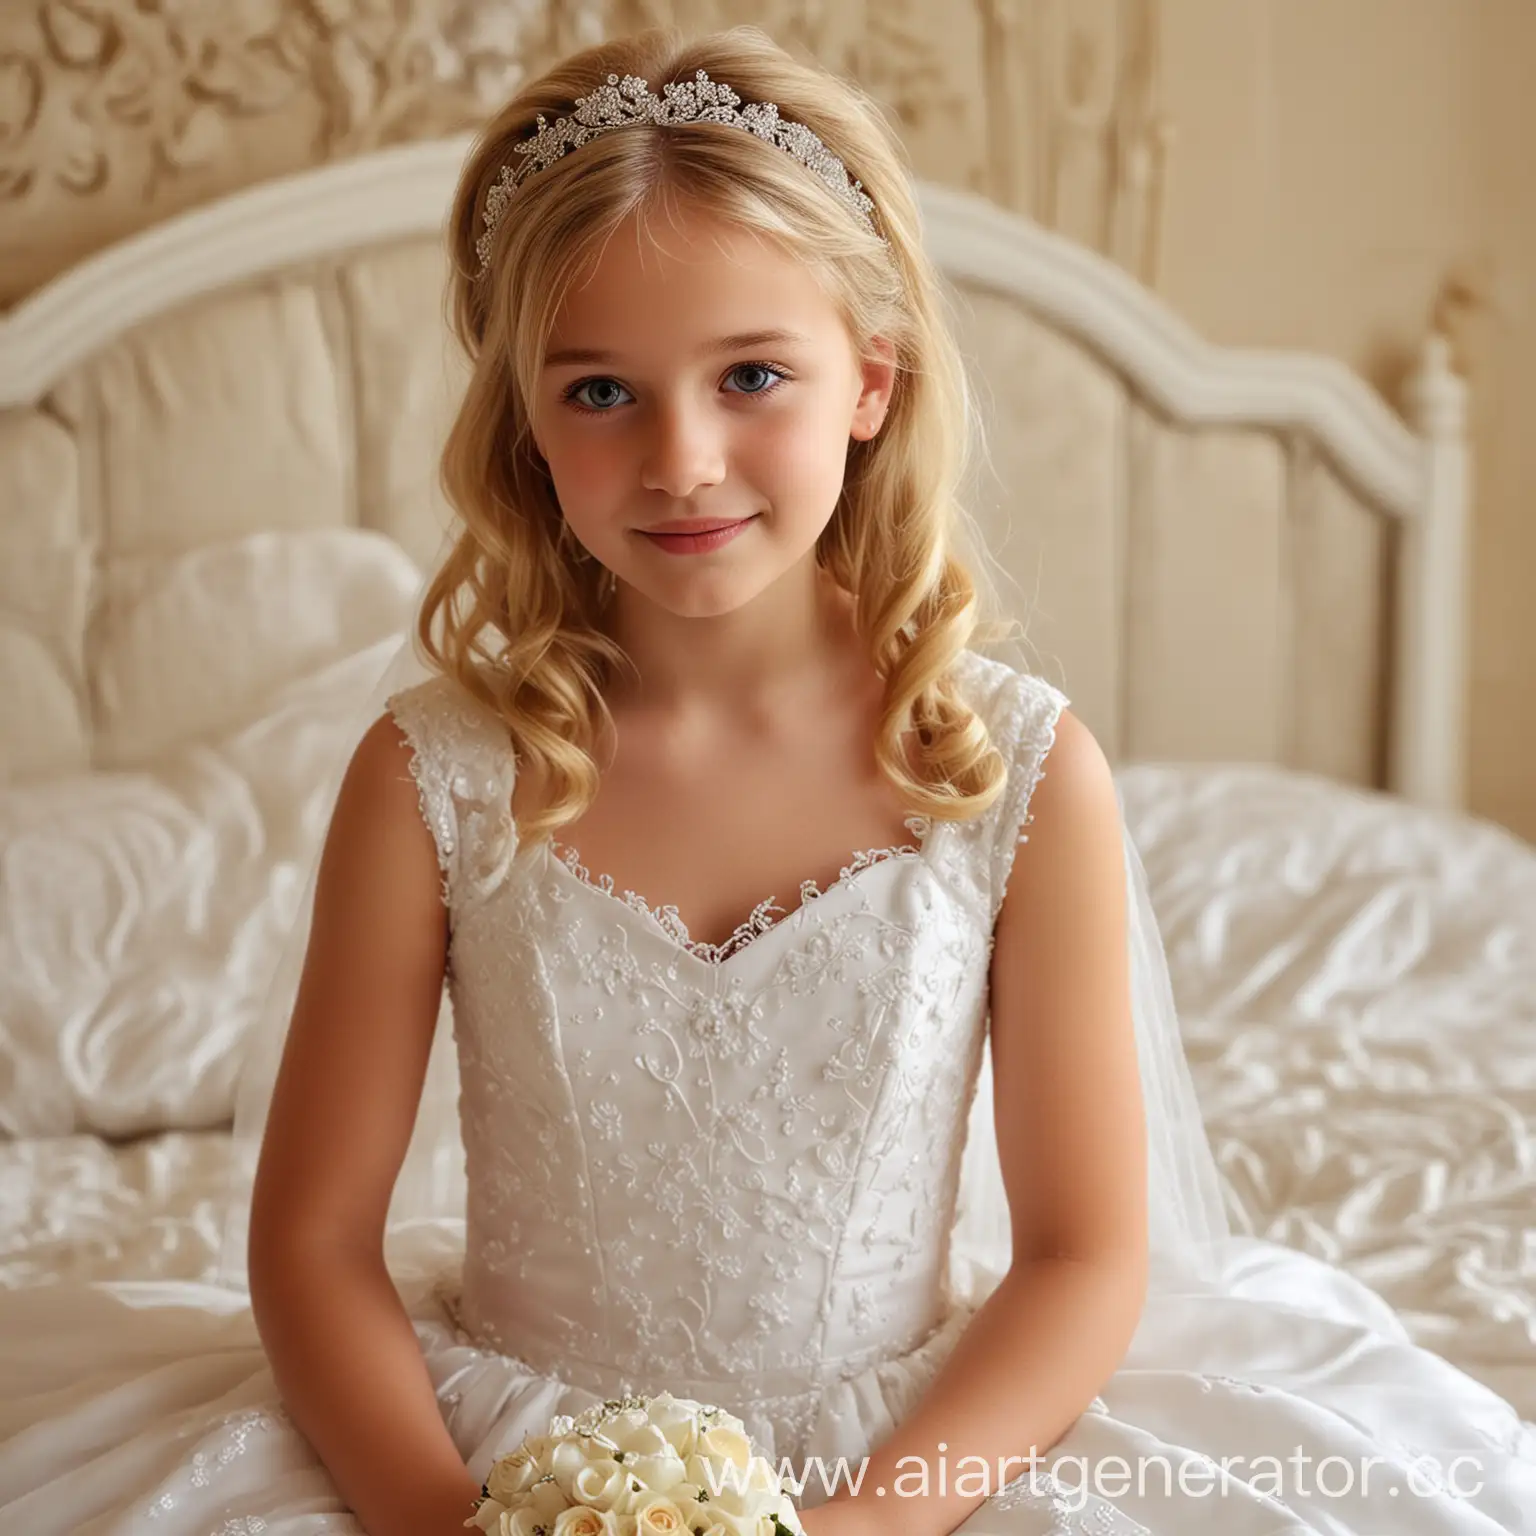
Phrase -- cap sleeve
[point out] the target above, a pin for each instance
(465, 769)
(1030, 708)
(1020, 712)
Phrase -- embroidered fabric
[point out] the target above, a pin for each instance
(671, 921)
(723, 1145)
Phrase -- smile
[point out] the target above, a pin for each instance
(700, 543)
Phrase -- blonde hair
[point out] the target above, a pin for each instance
(511, 613)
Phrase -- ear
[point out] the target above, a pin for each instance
(878, 382)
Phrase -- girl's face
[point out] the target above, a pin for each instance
(700, 376)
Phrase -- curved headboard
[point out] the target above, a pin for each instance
(1219, 554)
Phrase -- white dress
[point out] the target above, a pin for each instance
(731, 1174)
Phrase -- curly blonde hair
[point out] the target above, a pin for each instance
(511, 614)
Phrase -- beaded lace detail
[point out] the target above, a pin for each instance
(671, 922)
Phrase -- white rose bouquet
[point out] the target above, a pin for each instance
(637, 1466)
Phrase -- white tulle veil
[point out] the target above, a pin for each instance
(425, 1231)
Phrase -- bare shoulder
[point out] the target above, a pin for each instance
(1069, 860)
(1074, 802)
(381, 765)
(378, 808)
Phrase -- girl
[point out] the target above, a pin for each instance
(703, 643)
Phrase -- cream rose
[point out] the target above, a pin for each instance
(657, 1515)
(579, 1520)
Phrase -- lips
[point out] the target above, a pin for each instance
(700, 539)
(691, 526)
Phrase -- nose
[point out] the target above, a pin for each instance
(684, 451)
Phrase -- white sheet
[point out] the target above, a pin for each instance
(1357, 981)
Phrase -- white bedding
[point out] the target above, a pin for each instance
(1358, 985)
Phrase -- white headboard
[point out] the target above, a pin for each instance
(1220, 554)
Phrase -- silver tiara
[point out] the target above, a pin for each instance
(700, 100)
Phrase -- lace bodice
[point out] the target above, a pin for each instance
(713, 1169)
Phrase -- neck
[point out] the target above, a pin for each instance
(796, 634)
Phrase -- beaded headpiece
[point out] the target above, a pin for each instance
(700, 100)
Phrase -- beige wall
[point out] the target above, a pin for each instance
(1337, 164)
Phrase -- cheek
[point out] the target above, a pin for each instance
(803, 451)
(583, 464)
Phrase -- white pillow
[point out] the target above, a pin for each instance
(142, 910)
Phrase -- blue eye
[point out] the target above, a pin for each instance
(774, 376)
(602, 384)
(770, 372)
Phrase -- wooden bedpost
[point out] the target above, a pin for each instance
(1429, 692)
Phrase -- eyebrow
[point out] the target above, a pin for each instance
(740, 342)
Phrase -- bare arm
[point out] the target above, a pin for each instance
(343, 1350)
(1071, 1143)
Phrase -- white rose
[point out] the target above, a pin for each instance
(510, 1476)
(751, 1513)
(762, 1476)
(566, 1459)
(641, 1439)
(730, 1500)
(598, 1484)
(520, 1522)
(678, 1419)
(546, 1500)
(538, 1448)
(626, 1495)
(625, 1421)
(740, 1522)
(728, 1443)
(659, 1473)
(487, 1516)
(657, 1515)
(578, 1520)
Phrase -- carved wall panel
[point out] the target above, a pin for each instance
(114, 114)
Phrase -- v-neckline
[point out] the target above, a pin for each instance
(668, 921)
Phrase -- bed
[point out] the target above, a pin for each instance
(217, 474)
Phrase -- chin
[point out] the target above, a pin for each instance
(708, 597)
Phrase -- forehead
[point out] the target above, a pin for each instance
(676, 281)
